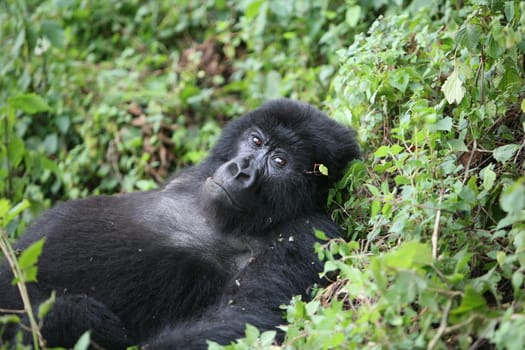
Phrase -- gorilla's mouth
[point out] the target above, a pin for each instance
(218, 186)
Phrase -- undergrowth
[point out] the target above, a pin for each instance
(102, 97)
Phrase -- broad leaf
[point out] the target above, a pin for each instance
(453, 88)
(29, 103)
(472, 300)
(28, 259)
(353, 14)
(83, 342)
(504, 153)
(409, 255)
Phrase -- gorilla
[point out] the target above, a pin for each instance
(221, 244)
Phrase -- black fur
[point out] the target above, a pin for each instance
(222, 244)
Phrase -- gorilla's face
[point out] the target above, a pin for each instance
(243, 183)
(261, 172)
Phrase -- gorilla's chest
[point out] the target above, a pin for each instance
(181, 224)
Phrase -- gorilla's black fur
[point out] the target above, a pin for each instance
(222, 244)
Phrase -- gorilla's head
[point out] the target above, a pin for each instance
(265, 166)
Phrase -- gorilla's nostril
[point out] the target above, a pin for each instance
(233, 169)
(245, 163)
(243, 177)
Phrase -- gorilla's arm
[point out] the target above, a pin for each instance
(63, 327)
(221, 326)
(287, 266)
(107, 258)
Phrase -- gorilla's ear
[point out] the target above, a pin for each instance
(337, 146)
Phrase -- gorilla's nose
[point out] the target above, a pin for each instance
(243, 170)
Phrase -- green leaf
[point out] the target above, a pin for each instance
(45, 307)
(29, 258)
(83, 342)
(471, 300)
(268, 338)
(334, 341)
(51, 143)
(510, 77)
(374, 190)
(323, 169)
(517, 280)
(508, 333)
(252, 10)
(396, 149)
(29, 103)
(15, 150)
(63, 122)
(382, 151)
(28, 275)
(509, 10)
(320, 235)
(504, 153)
(53, 32)
(512, 200)
(495, 47)
(145, 185)
(409, 255)
(457, 145)
(501, 258)
(401, 180)
(16, 210)
(469, 35)
(489, 177)
(325, 74)
(49, 164)
(375, 207)
(329, 266)
(214, 346)
(444, 124)
(5, 205)
(9, 319)
(453, 88)
(312, 307)
(399, 80)
(252, 334)
(353, 14)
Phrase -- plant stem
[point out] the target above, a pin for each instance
(5, 246)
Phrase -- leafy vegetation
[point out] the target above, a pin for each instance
(108, 96)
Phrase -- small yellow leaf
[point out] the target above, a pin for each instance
(323, 169)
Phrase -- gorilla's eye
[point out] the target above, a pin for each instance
(257, 141)
(279, 161)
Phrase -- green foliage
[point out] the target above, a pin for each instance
(109, 96)
(437, 98)
(27, 262)
(46, 306)
(24, 269)
(83, 342)
(103, 97)
(254, 340)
